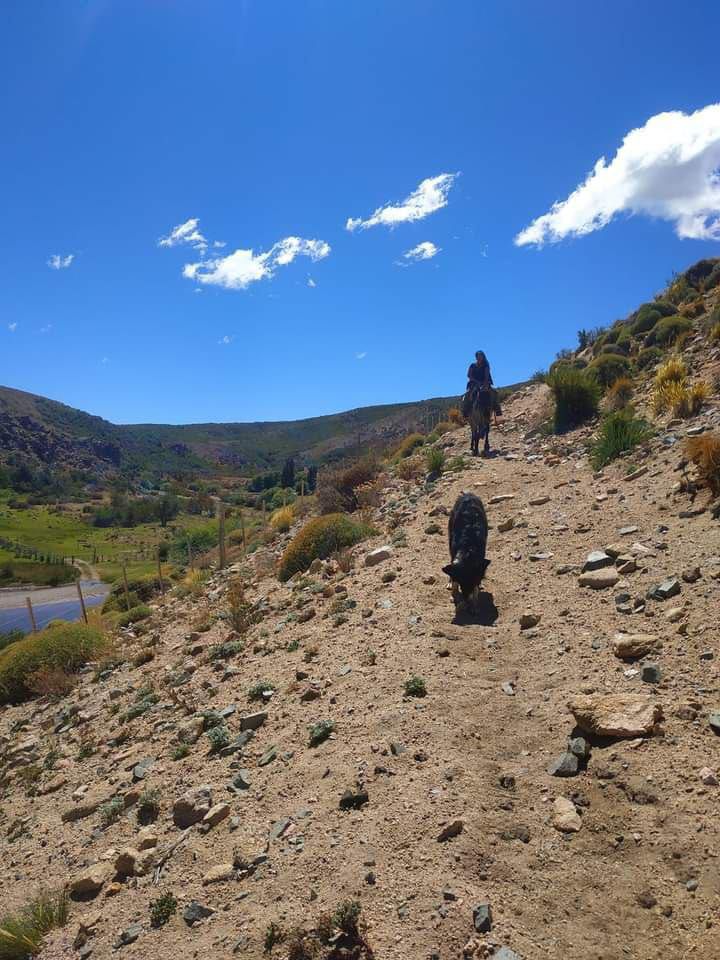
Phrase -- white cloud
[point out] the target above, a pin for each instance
(224, 341)
(311, 282)
(59, 262)
(361, 356)
(46, 329)
(105, 360)
(12, 327)
(669, 169)
(423, 251)
(185, 233)
(238, 270)
(430, 196)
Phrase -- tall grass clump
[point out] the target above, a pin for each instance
(61, 646)
(619, 432)
(411, 442)
(619, 395)
(704, 451)
(282, 519)
(22, 933)
(672, 394)
(337, 490)
(673, 370)
(319, 538)
(576, 397)
(435, 460)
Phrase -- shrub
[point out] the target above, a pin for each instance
(148, 806)
(134, 615)
(22, 933)
(242, 613)
(411, 442)
(648, 357)
(273, 936)
(667, 331)
(607, 368)
(162, 909)
(181, 751)
(219, 737)
(337, 490)
(649, 314)
(455, 416)
(673, 370)
(435, 460)
(258, 689)
(65, 646)
(415, 687)
(619, 395)
(576, 398)
(704, 451)
(713, 279)
(319, 538)
(715, 332)
(320, 731)
(142, 589)
(409, 469)
(681, 401)
(111, 811)
(619, 432)
(540, 376)
(52, 682)
(282, 519)
(12, 636)
(226, 650)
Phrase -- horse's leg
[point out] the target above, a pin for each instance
(487, 438)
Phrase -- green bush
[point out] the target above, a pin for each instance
(162, 909)
(435, 460)
(607, 368)
(320, 538)
(666, 332)
(12, 636)
(645, 319)
(22, 933)
(141, 590)
(409, 445)
(648, 357)
(134, 615)
(64, 646)
(619, 432)
(713, 279)
(613, 350)
(576, 398)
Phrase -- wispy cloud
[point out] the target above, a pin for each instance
(186, 233)
(431, 195)
(59, 262)
(105, 360)
(667, 169)
(224, 341)
(423, 251)
(12, 327)
(361, 356)
(311, 282)
(238, 270)
(46, 329)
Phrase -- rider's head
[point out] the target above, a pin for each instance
(480, 357)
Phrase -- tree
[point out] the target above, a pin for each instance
(287, 478)
(311, 478)
(167, 508)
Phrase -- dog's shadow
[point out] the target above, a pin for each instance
(480, 611)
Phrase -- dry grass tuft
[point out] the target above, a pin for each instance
(704, 451)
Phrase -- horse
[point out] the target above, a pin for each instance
(479, 413)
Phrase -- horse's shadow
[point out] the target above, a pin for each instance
(480, 611)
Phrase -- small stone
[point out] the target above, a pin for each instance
(616, 714)
(632, 646)
(650, 673)
(579, 747)
(675, 614)
(663, 591)
(708, 777)
(505, 525)
(91, 880)
(505, 953)
(242, 780)
(451, 830)
(714, 722)
(268, 757)
(192, 806)
(692, 575)
(354, 799)
(482, 918)
(128, 936)
(692, 885)
(529, 620)
(596, 561)
(216, 814)
(218, 874)
(626, 531)
(566, 765)
(539, 501)
(396, 748)
(253, 721)
(566, 819)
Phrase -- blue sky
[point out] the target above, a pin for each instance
(273, 119)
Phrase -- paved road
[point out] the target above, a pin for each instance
(49, 603)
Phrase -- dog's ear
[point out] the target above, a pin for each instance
(450, 570)
(486, 564)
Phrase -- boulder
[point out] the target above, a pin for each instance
(91, 881)
(378, 555)
(599, 579)
(219, 873)
(632, 646)
(192, 806)
(622, 715)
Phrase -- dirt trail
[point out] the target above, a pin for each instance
(639, 880)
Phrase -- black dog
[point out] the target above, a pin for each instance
(467, 531)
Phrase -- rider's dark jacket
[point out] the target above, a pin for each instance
(480, 373)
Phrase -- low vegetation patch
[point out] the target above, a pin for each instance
(704, 451)
(134, 615)
(162, 909)
(319, 539)
(619, 395)
(22, 933)
(667, 331)
(680, 400)
(576, 397)
(320, 731)
(435, 460)
(339, 490)
(607, 368)
(415, 687)
(282, 519)
(63, 646)
(619, 432)
(411, 442)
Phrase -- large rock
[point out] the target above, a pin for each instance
(378, 555)
(91, 881)
(616, 714)
(599, 579)
(631, 646)
(192, 806)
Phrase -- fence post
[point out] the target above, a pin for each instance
(263, 514)
(221, 534)
(127, 589)
(191, 560)
(160, 576)
(28, 601)
(242, 527)
(82, 601)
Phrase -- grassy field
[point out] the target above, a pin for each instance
(64, 531)
(15, 570)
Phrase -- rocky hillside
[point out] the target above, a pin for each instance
(552, 794)
(43, 432)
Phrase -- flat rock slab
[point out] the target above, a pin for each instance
(622, 715)
(378, 555)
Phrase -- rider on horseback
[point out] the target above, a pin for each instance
(480, 379)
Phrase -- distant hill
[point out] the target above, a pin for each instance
(41, 431)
